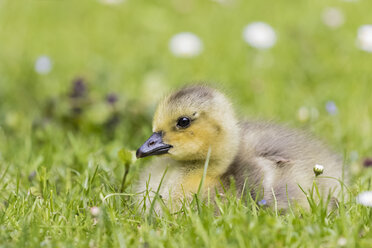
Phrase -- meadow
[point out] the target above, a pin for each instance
(79, 81)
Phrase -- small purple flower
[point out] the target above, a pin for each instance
(331, 108)
(367, 162)
(111, 98)
(263, 202)
(78, 88)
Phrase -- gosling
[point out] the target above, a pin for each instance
(266, 160)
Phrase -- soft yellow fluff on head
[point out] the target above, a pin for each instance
(213, 125)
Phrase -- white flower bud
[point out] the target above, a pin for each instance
(94, 211)
(318, 169)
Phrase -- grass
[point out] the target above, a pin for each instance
(58, 154)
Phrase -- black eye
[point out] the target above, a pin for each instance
(183, 122)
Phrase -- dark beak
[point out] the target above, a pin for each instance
(153, 146)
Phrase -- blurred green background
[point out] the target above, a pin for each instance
(120, 49)
(80, 79)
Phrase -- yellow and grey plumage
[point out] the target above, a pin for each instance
(270, 159)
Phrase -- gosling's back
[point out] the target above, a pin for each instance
(274, 160)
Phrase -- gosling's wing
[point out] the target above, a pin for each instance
(284, 158)
(281, 144)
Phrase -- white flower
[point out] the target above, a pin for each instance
(94, 211)
(43, 64)
(111, 2)
(185, 45)
(364, 39)
(259, 35)
(318, 169)
(333, 17)
(365, 198)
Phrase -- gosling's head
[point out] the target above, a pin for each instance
(188, 122)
